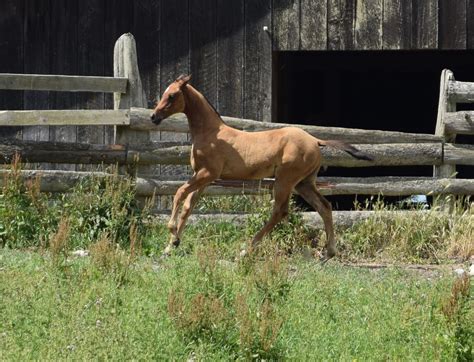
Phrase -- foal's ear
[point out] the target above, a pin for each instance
(183, 80)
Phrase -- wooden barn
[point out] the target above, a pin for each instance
(371, 64)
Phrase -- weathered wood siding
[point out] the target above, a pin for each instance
(221, 42)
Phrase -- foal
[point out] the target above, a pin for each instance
(289, 154)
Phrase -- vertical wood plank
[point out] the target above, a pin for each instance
(397, 24)
(174, 59)
(368, 25)
(313, 24)
(203, 47)
(444, 106)
(341, 18)
(425, 21)
(258, 61)
(470, 24)
(37, 60)
(11, 57)
(230, 54)
(126, 65)
(63, 61)
(146, 30)
(118, 20)
(286, 24)
(91, 61)
(452, 24)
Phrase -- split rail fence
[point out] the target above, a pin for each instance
(132, 148)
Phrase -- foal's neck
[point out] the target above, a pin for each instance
(202, 117)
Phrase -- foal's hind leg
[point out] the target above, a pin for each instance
(307, 189)
(281, 191)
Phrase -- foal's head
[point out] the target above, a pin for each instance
(172, 100)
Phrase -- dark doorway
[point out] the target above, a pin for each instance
(385, 90)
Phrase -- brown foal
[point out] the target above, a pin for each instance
(289, 154)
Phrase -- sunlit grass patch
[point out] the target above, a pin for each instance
(197, 306)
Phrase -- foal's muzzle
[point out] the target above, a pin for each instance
(156, 119)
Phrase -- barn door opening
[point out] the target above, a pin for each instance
(384, 90)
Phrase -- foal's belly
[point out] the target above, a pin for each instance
(247, 173)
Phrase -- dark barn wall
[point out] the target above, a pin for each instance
(221, 42)
(373, 24)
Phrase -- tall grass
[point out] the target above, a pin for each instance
(95, 206)
(200, 303)
(99, 206)
(413, 236)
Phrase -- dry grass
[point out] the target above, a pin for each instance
(59, 241)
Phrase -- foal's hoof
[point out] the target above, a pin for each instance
(326, 256)
(169, 249)
(243, 253)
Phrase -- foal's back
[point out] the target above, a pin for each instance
(254, 155)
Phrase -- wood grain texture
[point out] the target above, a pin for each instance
(397, 27)
(174, 58)
(460, 92)
(64, 43)
(313, 27)
(146, 30)
(91, 60)
(341, 19)
(286, 24)
(230, 56)
(62, 152)
(139, 119)
(470, 24)
(461, 122)
(445, 105)
(457, 154)
(368, 25)
(425, 20)
(37, 42)
(387, 186)
(203, 47)
(118, 20)
(452, 24)
(65, 117)
(11, 56)
(257, 91)
(63, 83)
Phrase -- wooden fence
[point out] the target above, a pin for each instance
(132, 148)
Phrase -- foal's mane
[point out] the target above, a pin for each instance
(212, 106)
(208, 102)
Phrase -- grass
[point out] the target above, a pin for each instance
(196, 306)
(122, 301)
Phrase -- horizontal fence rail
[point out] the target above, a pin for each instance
(152, 153)
(64, 181)
(387, 148)
(178, 153)
(62, 83)
(460, 92)
(140, 121)
(341, 219)
(65, 117)
(461, 122)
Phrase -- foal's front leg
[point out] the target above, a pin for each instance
(198, 182)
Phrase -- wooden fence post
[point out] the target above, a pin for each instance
(126, 65)
(445, 105)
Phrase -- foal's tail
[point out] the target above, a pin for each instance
(344, 146)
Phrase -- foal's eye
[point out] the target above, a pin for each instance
(171, 97)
